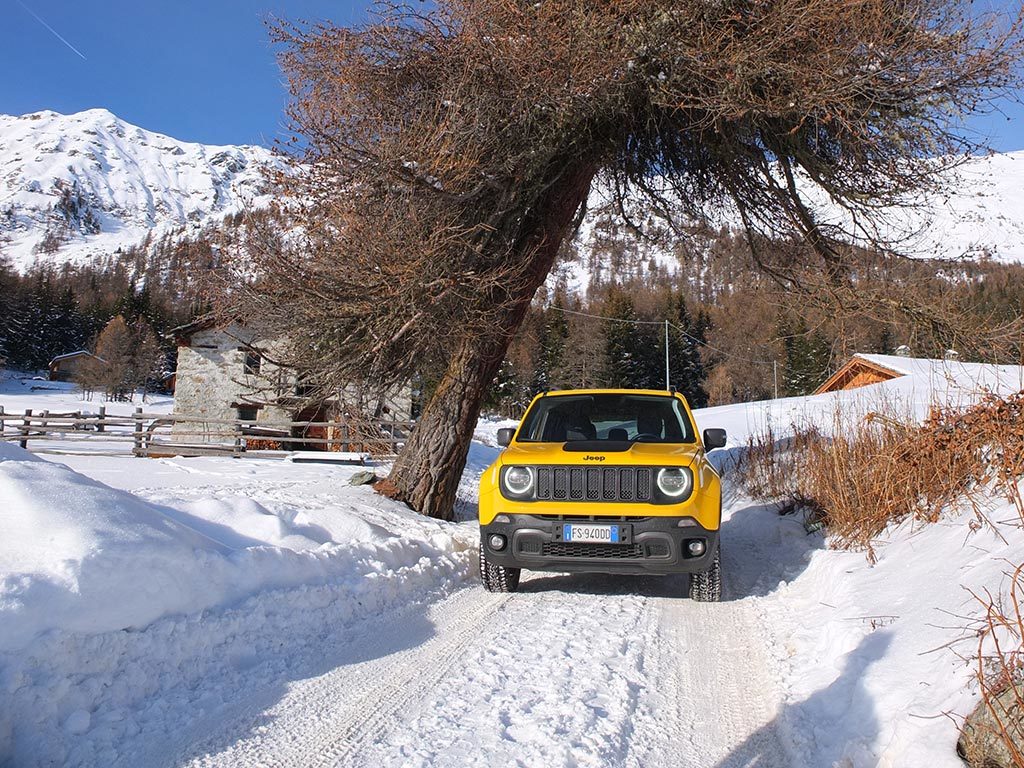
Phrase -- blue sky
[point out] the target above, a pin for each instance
(198, 70)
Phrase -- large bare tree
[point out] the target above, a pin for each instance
(448, 148)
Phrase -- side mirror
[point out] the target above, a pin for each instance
(505, 435)
(714, 438)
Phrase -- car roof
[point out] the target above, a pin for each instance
(661, 392)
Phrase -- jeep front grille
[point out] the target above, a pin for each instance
(627, 484)
(586, 549)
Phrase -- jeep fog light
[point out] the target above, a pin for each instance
(675, 482)
(695, 547)
(497, 542)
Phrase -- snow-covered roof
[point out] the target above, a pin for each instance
(69, 355)
(982, 375)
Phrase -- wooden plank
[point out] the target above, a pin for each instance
(24, 429)
(138, 431)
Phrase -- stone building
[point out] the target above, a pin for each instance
(220, 377)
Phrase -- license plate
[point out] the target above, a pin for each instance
(604, 534)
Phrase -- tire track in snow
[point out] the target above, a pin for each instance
(324, 720)
(717, 702)
(550, 685)
(576, 671)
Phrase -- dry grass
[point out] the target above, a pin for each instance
(883, 468)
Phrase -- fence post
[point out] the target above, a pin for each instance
(238, 439)
(24, 429)
(42, 423)
(99, 421)
(1, 421)
(138, 431)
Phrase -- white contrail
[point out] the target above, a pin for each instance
(54, 31)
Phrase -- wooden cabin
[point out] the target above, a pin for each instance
(66, 367)
(862, 370)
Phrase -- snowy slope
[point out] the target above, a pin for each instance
(125, 182)
(984, 212)
(981, 213)
(119, 182)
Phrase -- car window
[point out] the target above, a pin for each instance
(611, 417)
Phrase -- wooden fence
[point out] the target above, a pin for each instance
(159, 434)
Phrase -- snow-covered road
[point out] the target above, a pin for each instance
(574, 670)
(223, 612)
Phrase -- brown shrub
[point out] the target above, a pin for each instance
(883, 468)
(770, 467)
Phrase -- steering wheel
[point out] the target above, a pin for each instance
(639, 436)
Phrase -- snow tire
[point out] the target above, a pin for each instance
(706, 586)
(498, 578)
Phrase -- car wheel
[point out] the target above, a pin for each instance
(706, 586)
(497, 578)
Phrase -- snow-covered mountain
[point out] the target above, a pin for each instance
(77, 186)
(981, 212)
(83, 185)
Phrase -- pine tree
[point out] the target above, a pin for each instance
(509, 395)
(807, 357)
(886, 341)
(685, 338)
(631, 349)
(554, 332)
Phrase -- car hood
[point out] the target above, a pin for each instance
(639, 454)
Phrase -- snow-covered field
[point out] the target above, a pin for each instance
(19, 391)
(218, 611)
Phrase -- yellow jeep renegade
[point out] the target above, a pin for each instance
(609, 480)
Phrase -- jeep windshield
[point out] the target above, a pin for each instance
(612, 417)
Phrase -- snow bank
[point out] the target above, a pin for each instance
(81, 556)
(948, 383)
(883, 651)
(108, 599)
(874, 656)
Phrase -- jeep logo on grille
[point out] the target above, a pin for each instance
(588, 457)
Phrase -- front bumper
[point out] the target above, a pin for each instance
(651, 545)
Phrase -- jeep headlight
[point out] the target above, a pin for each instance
(517, 482)
(675, 482)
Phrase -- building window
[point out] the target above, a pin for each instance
(304, 387)
(251, 366)
(247, 412)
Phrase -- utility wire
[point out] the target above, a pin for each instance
(694, 339)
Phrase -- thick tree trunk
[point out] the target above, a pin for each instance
(427, 473)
